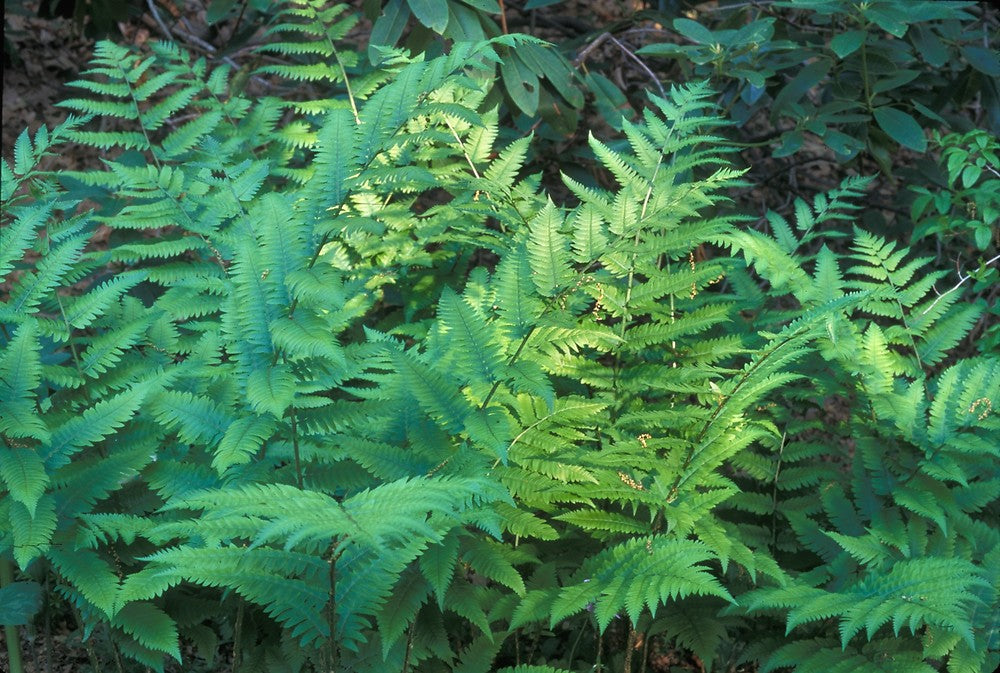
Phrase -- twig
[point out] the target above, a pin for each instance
(191, 37)
(961, 281)
(503, 18)
(642, 64)
(159, 21)
(239, 18)
(585, 52)
(582, 56)
(739, 5)
(210, 49)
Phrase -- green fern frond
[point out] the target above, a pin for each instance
(30, 534)
(20, 376)
(150, 626)
(92, 424)
(818, 655)
(478, 353)
(23, 473)
(548, 252)
(33, 287)
(640, 573)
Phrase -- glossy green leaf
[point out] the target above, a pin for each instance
(464, 25)
(983, 236)
(19, 602)
(521, 83)
(901, 127)
(488, 6)
(694, 31)
(389, 26)
(808, 77)
(431, 13)
(890, 18)
(218, 9)
(970, 174)
(982, 59)
(841, 143)
(791, 142)
(845, 44)
(929, 113)
(929, 46)
(546, 62)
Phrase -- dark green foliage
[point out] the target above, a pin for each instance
(347, 390)
(859, 76)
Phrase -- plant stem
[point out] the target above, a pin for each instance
(572, 650)
(774, 493)
(295, 449)
(88, 643)
(633, 636)
(409, 647)
(9, 630)
(864, 74)
(237, 636)
(331, 612)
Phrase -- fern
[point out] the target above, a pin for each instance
(346, 388)
(892, 523)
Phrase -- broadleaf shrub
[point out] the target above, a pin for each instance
(345, 389)
(858, 76)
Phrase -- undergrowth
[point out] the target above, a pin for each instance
(345, 390)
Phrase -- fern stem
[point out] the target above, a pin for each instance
(47, 628)
(347, 85)
(572, 649)
(295, 451)
(331, 610)
(598, 666)
(864, 71)
(88, 643)
(409, 647)
(239, 19)
(69, 334)
(722, 405)
(626, 317)
(115, 652)
(633, 637)
(465, 152)
(774, 493)
(9, 630)
(531, 330)
(902, 313)
(510, 361)
(138, 116)
(238, 636)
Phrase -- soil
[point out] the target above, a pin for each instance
(47, 53)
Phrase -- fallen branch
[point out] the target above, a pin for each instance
(582, 56)
(961, 281)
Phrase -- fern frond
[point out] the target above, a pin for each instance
(20, 376)
(548, 252)
(643, 572)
